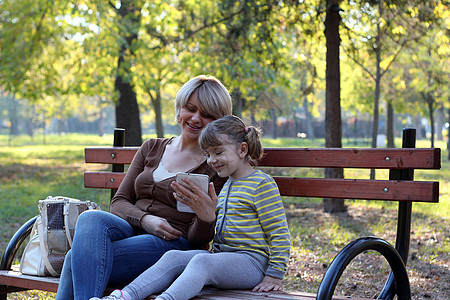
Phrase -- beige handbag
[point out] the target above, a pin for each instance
(52, 235)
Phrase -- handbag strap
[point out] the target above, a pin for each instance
(90, 206)
(44, 248)
(66, 207)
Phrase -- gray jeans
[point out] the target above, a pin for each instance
(186, 272)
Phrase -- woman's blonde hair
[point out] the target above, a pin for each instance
(237, 132)
(213, 97)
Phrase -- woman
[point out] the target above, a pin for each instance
(113, 249)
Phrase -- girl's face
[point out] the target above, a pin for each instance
(228, 159)
(192, 120)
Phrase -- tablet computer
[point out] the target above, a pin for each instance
(200, 180)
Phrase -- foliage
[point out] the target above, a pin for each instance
(62, 57)
(382, 30)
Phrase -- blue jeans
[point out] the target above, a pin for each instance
(106, 251)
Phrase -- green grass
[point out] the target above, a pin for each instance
(54, 139)
(31, 171)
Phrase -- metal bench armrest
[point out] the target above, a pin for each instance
(16, 241)
(340, 262)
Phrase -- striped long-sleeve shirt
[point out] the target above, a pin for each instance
(251, 218)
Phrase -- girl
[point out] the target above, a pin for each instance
(251, 243)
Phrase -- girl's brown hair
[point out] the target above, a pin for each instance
(237, 132)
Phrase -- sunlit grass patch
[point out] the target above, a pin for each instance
(56, 139)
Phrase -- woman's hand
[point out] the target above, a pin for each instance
(203, 204)
(159, 227)
(267, 284)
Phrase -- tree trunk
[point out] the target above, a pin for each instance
(60, 126)
(30, 123)
(44, 133)
(439, 122)
(448, 133)
(273, 114)
(376, 102)
(101, 120)
(127, 110)
(253, 118)
(157, 107)
(30, 127)
(333, 134)
(14, 122)
(430, 101)
(390, 125)
(238, 104)
(309, 120)
(158, 113)
(12, 114)
(418, 122)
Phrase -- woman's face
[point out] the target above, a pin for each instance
(192, 120)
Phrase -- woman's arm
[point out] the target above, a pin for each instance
(123, 202)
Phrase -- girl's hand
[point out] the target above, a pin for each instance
(203, 204)
(159, 227)
(267, 284)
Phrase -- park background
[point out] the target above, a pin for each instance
(310, 73)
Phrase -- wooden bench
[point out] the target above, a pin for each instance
(400, 187)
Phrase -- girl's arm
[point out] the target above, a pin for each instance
(272, 217)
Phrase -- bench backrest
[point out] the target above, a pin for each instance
(364, 158)
(400, 186)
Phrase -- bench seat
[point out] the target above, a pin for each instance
(50, 284)
(13, 278)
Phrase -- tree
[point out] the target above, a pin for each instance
(429, 77)
(304, 72)
(27, 35)
(243, 48)
(397, 23)
(127, 110)
(333, 134)
(11, 104)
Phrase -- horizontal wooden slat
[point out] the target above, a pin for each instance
(17, 279)
(211, 293)
(50, 284)
(380, 158)
(103, 180)
(109, 155)
(391, 190)
(396, 158)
